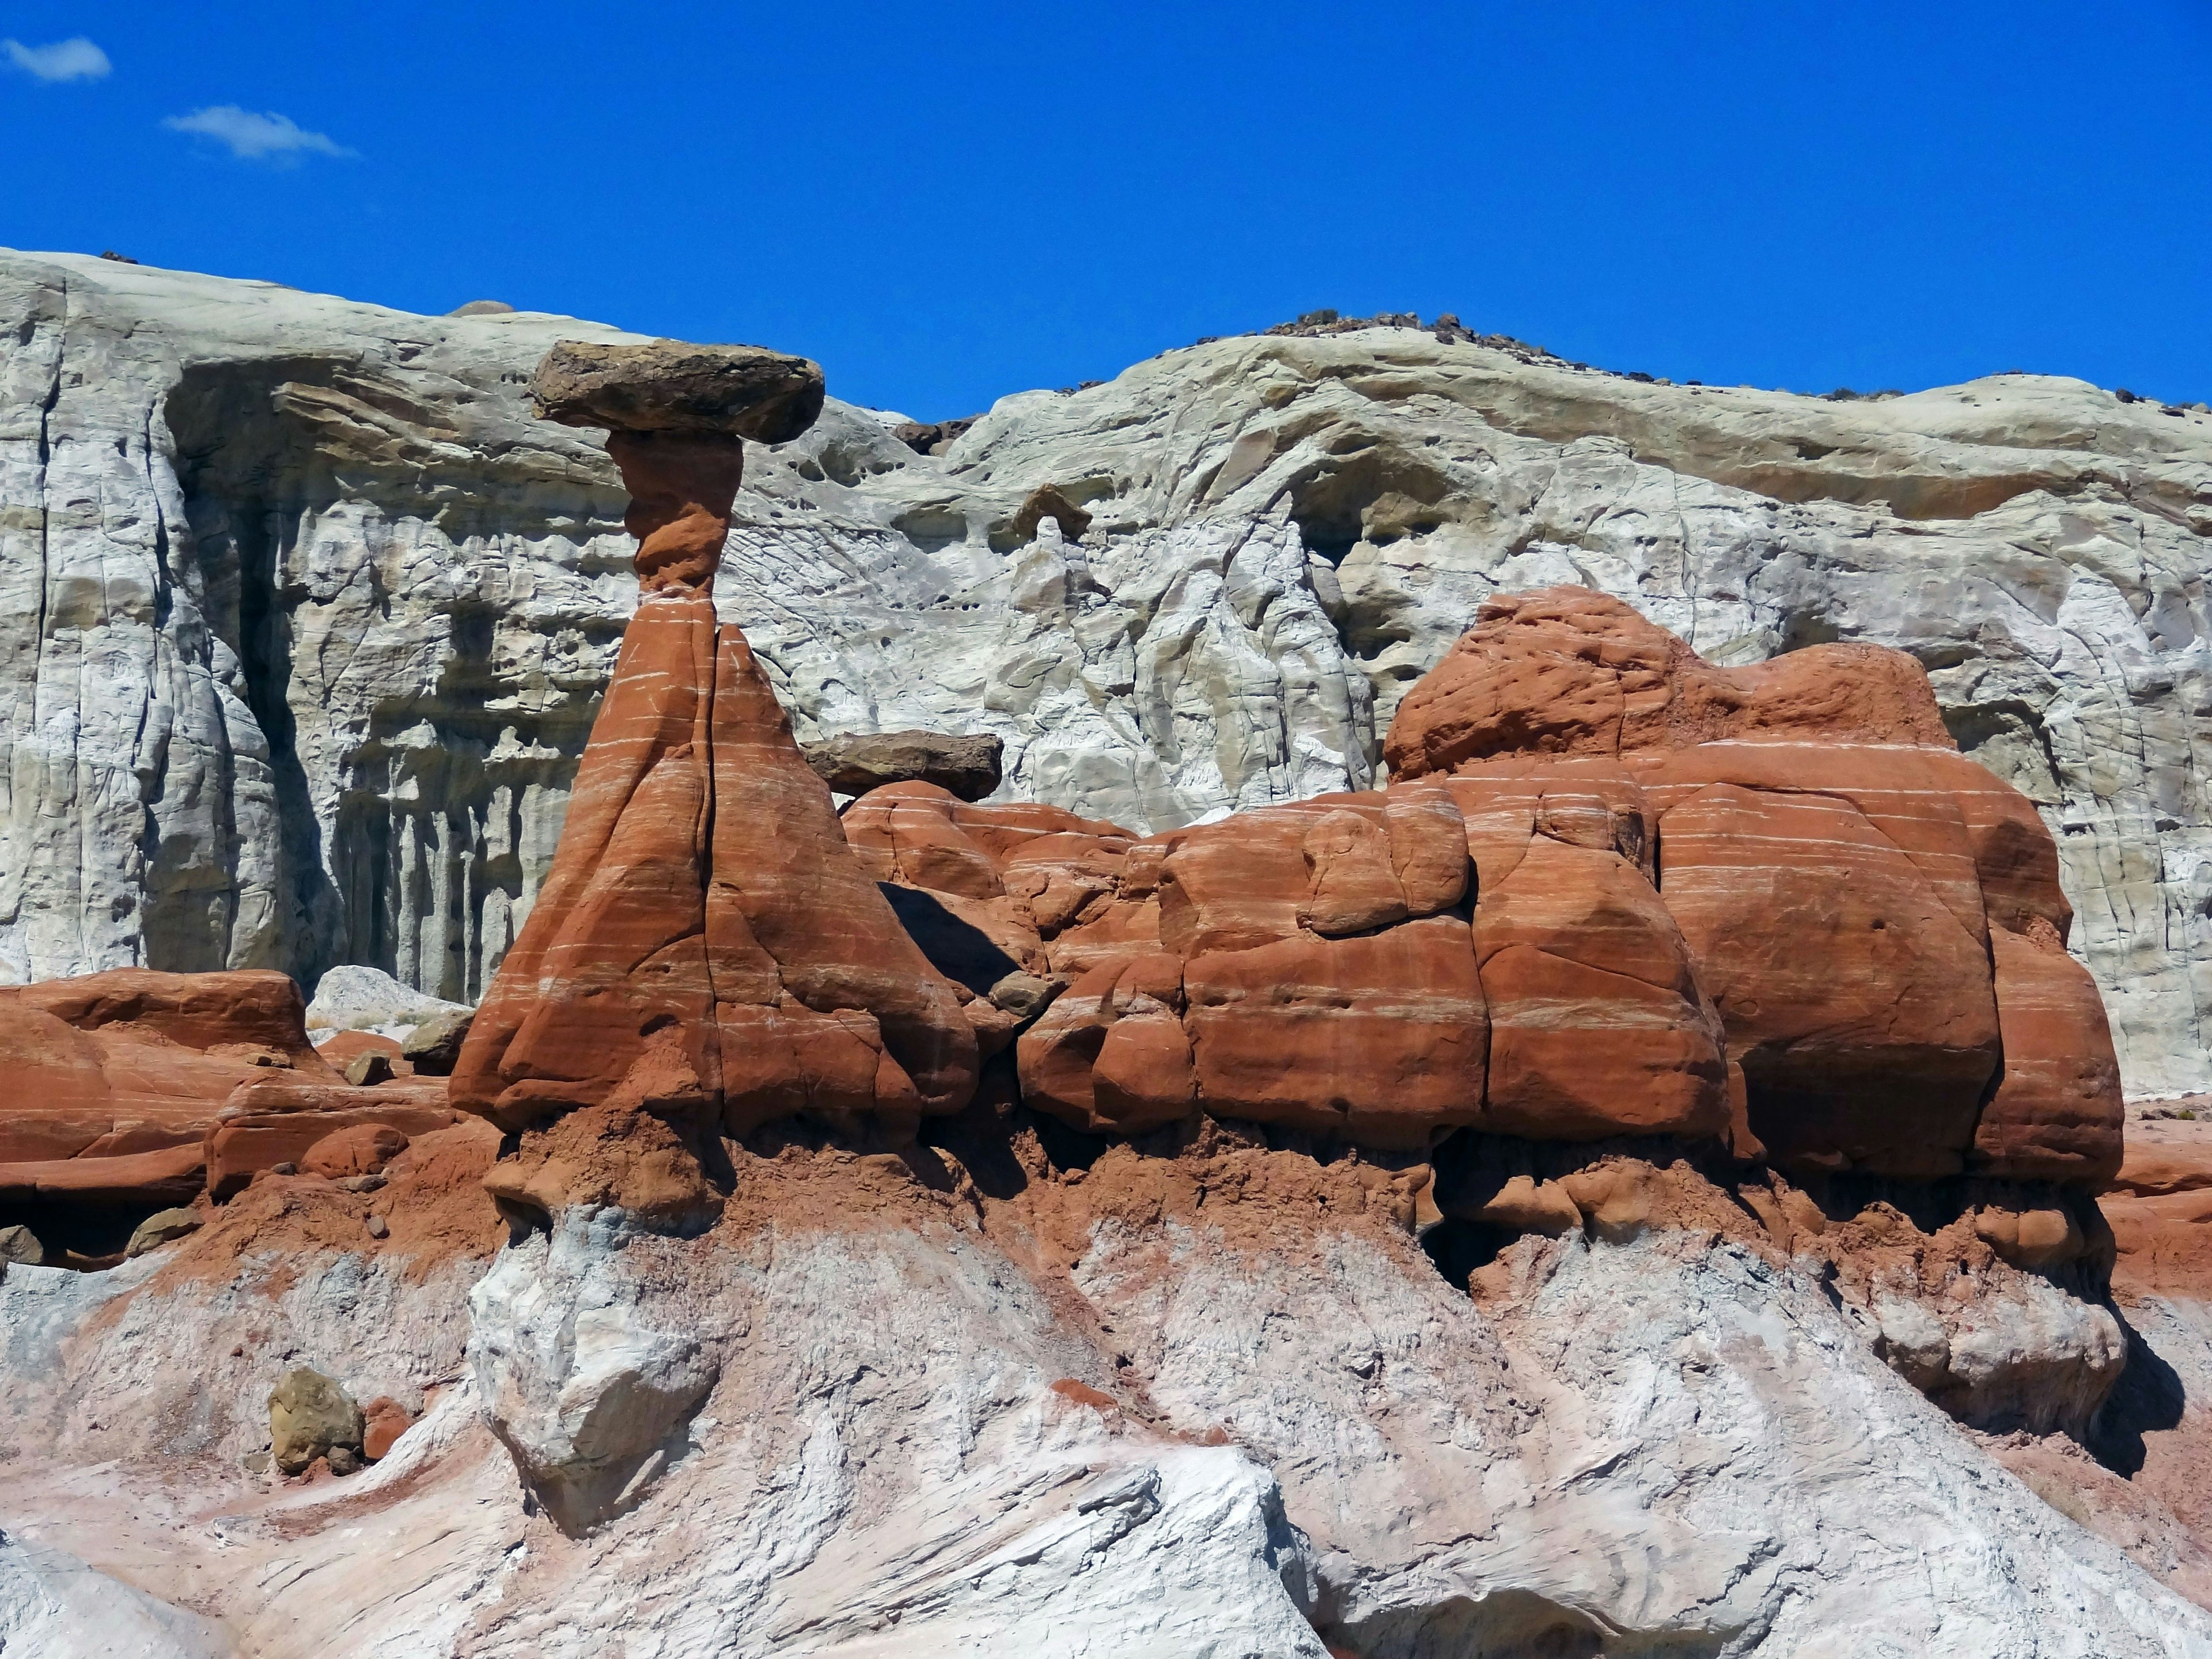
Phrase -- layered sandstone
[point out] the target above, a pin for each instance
(1612, 890)
(705, 946)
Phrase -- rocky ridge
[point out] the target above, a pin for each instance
(321, 615)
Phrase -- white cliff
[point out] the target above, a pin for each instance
(311, 618)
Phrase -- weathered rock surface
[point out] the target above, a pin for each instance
(1858, 902)
(1112, 1385)
(351, 696)
(122, 1076)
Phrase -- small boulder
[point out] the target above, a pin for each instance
(342, 1459)
(968, 767)
(366, 1070)
(382, 1425)
(361, 1149)
(309, 1415)
(21, 1244)
(434, 1047)
(1025, 995)
(162, 1227)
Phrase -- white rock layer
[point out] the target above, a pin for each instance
(908, 1443)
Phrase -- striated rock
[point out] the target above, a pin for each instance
(123, 1074)
(852, 764)
(2057, 1108)
(1832, 866)
(163, 1227)
(271, 1125)
(310, 1416)
(1569, 671)
(706, 944)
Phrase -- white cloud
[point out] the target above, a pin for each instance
(253, 138)
(64, 60)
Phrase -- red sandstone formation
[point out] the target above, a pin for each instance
(706, 947)
(1771, 904)
(139, 1091)
(117, 1076)
(1876, 920)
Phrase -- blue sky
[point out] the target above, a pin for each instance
(946, 203)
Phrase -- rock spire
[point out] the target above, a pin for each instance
(705, 946)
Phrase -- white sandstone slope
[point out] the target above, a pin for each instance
(867, 1417)
(310, 617)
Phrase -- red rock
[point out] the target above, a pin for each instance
(2058, 1113)
(707, 945)
(1111, 1055)
(1568, 670)
(1844, 880)
(346, 1047)
(1845, 983)
(1597, 1025)
(2159, 1209)
(363, 1149)
(119, 1075)
(382, 1424)
(1379, 1040)
(274, 1121)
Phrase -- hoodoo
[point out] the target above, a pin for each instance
(705, 947)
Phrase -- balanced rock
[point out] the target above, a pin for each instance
(310, 1416)
(705, 946)
(852, 764)
(671, 386)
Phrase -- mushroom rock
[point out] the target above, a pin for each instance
(1876, 920)
(706, 945)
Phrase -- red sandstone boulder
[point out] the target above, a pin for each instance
(118, 1075)
(275, 1122)
(1876, 920)
(363, 1149)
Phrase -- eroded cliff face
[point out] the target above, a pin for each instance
(316, 620)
